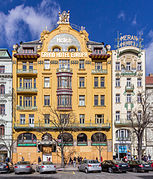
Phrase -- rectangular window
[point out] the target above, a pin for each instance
(139, 82)
(128, 115)
(98, 50)
(2, 109)
(102, 82)
(117, 115)
(64, 118)
(102, 100)
(64, 100)
(34, 82)
(117, 82)
(22, 118)
(31, 118)
(117, 66)
(95, 82)
(99, 118)
(2, 130)
(128, 82)
(139, 66)
(128, 98)
(81, 64)
(30, 66)
(128, 66)
(98, 66)
(81, 82)
(24, 66)
(28, 50)
(82, 118)
(20, 82)
(2, 69)
(2, 89)
(27, 101)
(139, 115)
(139, 98)
(46, 82)
(34, 101)
(46, 100)
(47, 118)
(27, 83)
(95, 100)
(20, 100)
(46, 64)
(64, 64)
(117, 98)
(81, 100)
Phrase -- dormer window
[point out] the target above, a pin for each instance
(28, 50)
(72, 49)
(98, 50)
(56, 49)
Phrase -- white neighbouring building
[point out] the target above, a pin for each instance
(5, 104)
(149, 130)
(128, 78)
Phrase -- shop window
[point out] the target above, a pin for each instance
(67, 139)
(82, 139)
(26, 138)
(47, 137)
(98, 138)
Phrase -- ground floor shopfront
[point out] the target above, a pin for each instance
(86, 144)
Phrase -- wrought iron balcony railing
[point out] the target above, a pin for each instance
(51, 126)
(21, 71)
(101, 71)
(129, 88)
(61, 70)
(26, 108)
(27, 90)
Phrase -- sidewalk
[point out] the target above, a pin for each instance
(68, 168)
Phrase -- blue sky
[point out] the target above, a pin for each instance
(23, 20)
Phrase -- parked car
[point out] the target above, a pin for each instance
(90, 166)
(6, 167)
(23, 167)
(151, 163)
(139, 166)
(46, 167)
(114, 166)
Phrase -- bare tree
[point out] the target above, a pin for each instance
(63, 122)
(141, 117)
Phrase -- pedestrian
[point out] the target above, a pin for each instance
(70, 161)
(22, 158)
(39, 159)
(49, 159)
(78, 159)
(7, 160)
(74, 162)
(97, 159)
(149, 157)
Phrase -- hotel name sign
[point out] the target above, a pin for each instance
(64, 54)
(128, 40)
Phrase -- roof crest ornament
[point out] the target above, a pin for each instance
(64, 17)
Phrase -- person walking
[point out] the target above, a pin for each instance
(74, 162)
(22, 158)
(39, 159)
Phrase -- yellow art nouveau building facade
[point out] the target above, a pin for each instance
(65, 71)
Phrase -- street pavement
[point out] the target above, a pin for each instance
(79, 175)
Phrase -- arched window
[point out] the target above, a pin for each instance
(2, 130)
(123, 134)
(26, 138)
(56, 49)
(47, 137)
(72, 49)
(2, 89)
(82, 139)
(98, 138)
(67, 139)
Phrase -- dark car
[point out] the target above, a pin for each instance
(139, 166)
(6, 167)
(114, 166)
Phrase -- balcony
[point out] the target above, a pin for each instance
(97, 71)
(99, 56)
(124, 123)
(64, 70)
(26, 55)
(26, 72)
(128, 73)
(27, 90)
(123, 139)
(129, 88)
(29, 108)
(52, 127)
(64, 107)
